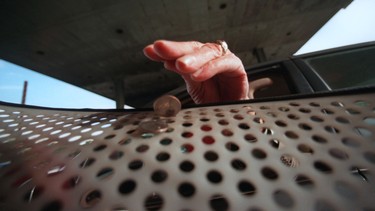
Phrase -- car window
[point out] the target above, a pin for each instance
(345, 69)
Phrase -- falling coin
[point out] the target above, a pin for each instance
(167, 106)
(154, 126)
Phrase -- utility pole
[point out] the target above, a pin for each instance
(24, 93)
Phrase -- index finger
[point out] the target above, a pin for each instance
(171, 50)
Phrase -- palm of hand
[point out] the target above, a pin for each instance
(219, 88)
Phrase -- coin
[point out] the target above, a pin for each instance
(167, 106)
(153, 126)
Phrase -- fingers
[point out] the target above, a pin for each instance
(229, 65)
(170, 50)
(149, 51)
(197, 60)
(192, 62)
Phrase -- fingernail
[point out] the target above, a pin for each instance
(187, 61)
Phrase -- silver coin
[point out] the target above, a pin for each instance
(167, 106)
(153, 126)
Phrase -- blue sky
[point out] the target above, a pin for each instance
(354, 24)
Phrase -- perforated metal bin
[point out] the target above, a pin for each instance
(308, 153)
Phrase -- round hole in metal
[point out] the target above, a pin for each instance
(187, 166)
(251, 112)
(339, 154)
(135, 165)
(350, 142)
(304, 148)
(304, 110)
(71, 182)
(342, 120)
(370, 156)
(90, 198)
(105, 173)
(238, 164)
(258, 153)
(276, 144)
(304, 181)
(352, 111)
(115, 155)
(284, 109)
(220, 115)
(187, 124)
(53, 206)
(323, 167)
(214, 176)
(100, 147)
(259, 120)
(159, 176)
(211, 156)
(283, 199)
(246, 188)
(304, 126)
(331, 129)
(110, 136)
(166, 141)
(337, 104)
(363, 131)
(244, 126)
(208, 140)
(33, 193)
(223, 122)
(321, 204)
(269, 173)
(227, 132)
(154, 202)
(319, 139)
(204, 119)
(238, 117)
(162, 156)
(186, 189)
(87, 162)
(271, 114)
(361, 103)
(291, 134)
(187, 134)
(280, 123)
(187, 148)
(316, 119)
(266, 131)
(219, 203)
(250, 138)
(345, 190)
(142, 148)
(232, 147)
(294, 104)
(127, 187)
(369, 120)
(206, 128)
(293, 116)
(327, 111)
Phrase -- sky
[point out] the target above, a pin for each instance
(354, 24)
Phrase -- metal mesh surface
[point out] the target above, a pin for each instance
(301, 154)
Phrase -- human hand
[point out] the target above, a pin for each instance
(211, 75)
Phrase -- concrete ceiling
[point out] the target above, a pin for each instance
(97, 44)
